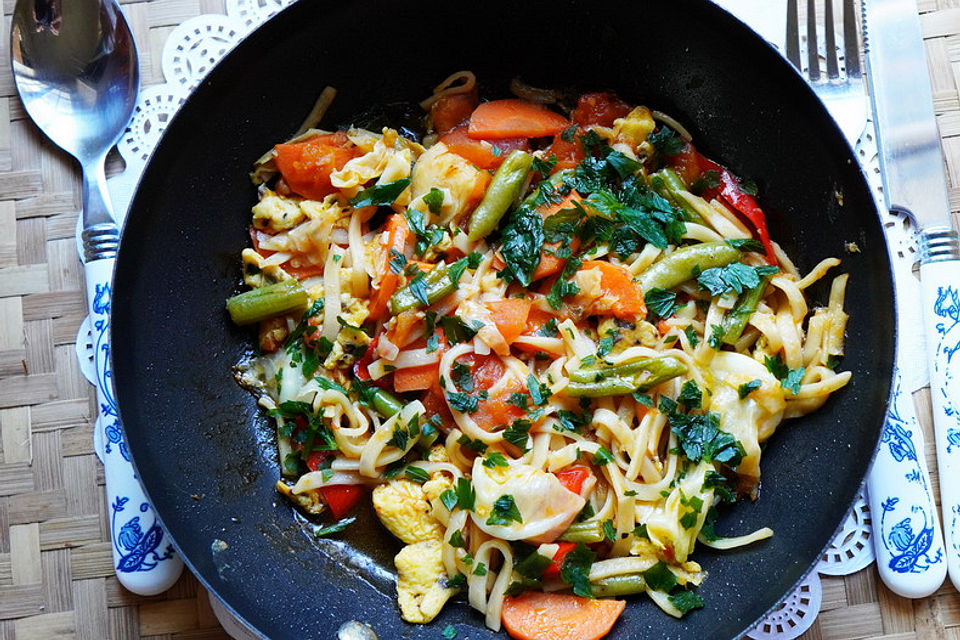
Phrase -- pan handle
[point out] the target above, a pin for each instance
(143, 555)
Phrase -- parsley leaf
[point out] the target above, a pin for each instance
(336, 527)
(449, 632)
(462, 377)
(539, 392)
(495, 459)
(701, 438)
(686, 601)
(602, 456)
(504, 511)
(748, 387)
(522, 244)
(790, 379)
(691, 336)
(660, 578)
(434, 200)
(533, 566)
(381, 194)
(462, 402)
(418, 288)
(661, 302)
(456, 330)
(609, 531)
(549, 329)
(575, 569)
(690, 395)
(666, 141)
(518, 433)
(397, 261)
(733, 277)
(462, 496)
(416, 474)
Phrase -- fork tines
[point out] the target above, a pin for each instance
(820, 44)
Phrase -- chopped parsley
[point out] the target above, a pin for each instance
(416, 474)
(463, 402)
(504, 512)
(701, 438)
(790, 379)
(539, 392)
(522, 243)
(434, 200)
(686, 601)
(575, 569)
(734, 277)
(748, 387)
(518, 433)
(495, 459)
(336, 527)
(661, 302)
(660, 578)
(462, 496)
(690, 395)
(381, 194)
(602, 456)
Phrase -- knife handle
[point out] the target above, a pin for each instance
(940, 291)
(143, 556)
(902, 506)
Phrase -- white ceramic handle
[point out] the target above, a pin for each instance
(144, 558)
(906, 529)
(940, 290)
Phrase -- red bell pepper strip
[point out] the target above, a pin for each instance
(553, 569)
(743, 202)
(573, 478)
(342, 497)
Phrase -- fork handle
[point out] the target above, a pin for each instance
(940, 291)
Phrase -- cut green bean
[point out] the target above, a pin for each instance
(736, 320)
(276, 299)
(586, 532)
(625, 585)
(438, 286)
(642, 375)
(672, 186)
(503, 192)
(678, 267)
(386, 403)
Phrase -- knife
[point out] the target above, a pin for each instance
(914, 182)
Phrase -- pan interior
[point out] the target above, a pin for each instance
(203, 450)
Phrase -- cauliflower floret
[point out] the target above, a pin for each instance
(403, 509)
(421, 581)
(276, 213)
(635, 128)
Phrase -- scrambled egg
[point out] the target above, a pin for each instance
(256, 273)
(277, 213)
(635, 128)
(404, 510)
(421, 581)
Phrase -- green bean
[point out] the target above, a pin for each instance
(624, 585)
(672, 186)
(677, 267)
(502, 193)
(736, 320)
(586, 532)
(438, 285)
(386, 403)
(642, 375)
(662, 365)
(276, 299)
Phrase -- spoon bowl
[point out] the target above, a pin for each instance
(76, 70)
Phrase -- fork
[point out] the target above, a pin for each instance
(906, 532)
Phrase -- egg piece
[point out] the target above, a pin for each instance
(276, 213)
(421, 581)
(404, 510)
(750, 420)
(546, 507)
(634, 129)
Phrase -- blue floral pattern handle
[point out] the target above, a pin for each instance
(910, 552)
(940, 289)
(144, 558)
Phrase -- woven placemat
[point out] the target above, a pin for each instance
(56, 574)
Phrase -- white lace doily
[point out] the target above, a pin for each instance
(190, 52)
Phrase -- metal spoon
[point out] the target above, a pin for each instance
(76, 69)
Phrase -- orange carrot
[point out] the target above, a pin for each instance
(535, 615)
(550, 264)
(510, 316)
(620, 296)
(452, 110)
(397, 232)
(481, 152)
(306, 166)
(514, 118)
(404, 325)
(416, 378)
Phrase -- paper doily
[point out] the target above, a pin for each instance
(190, 52)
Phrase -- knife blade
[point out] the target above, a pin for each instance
(914, 182)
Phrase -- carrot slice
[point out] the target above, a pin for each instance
(453, 110)
(483, 154)
(535, 615)
(416, 378)
(306, 166)
(510, 316)
(620, 295)
(397, 232)
(550, 264)
(514, 118)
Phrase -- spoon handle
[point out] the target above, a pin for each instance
(143, 554)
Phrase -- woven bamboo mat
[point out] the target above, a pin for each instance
(56, 576)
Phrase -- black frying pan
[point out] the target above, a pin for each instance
(195, 433)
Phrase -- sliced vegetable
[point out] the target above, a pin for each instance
(436, 286)
(573, 477)
(535, 615)
(453, 110)
(277, 299)
(588, 532)
(624, 585)
(672, 185)
(398, 231)
(641, 375)
(620, 296)
(736, 320)
(678, 267)
(386, 403)
(512, 118)
(306, 166)
(484, 154)
(416, 378)
(599, 109)
(746, 204)
(342, 497)
(510, 316)
(503, 193)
